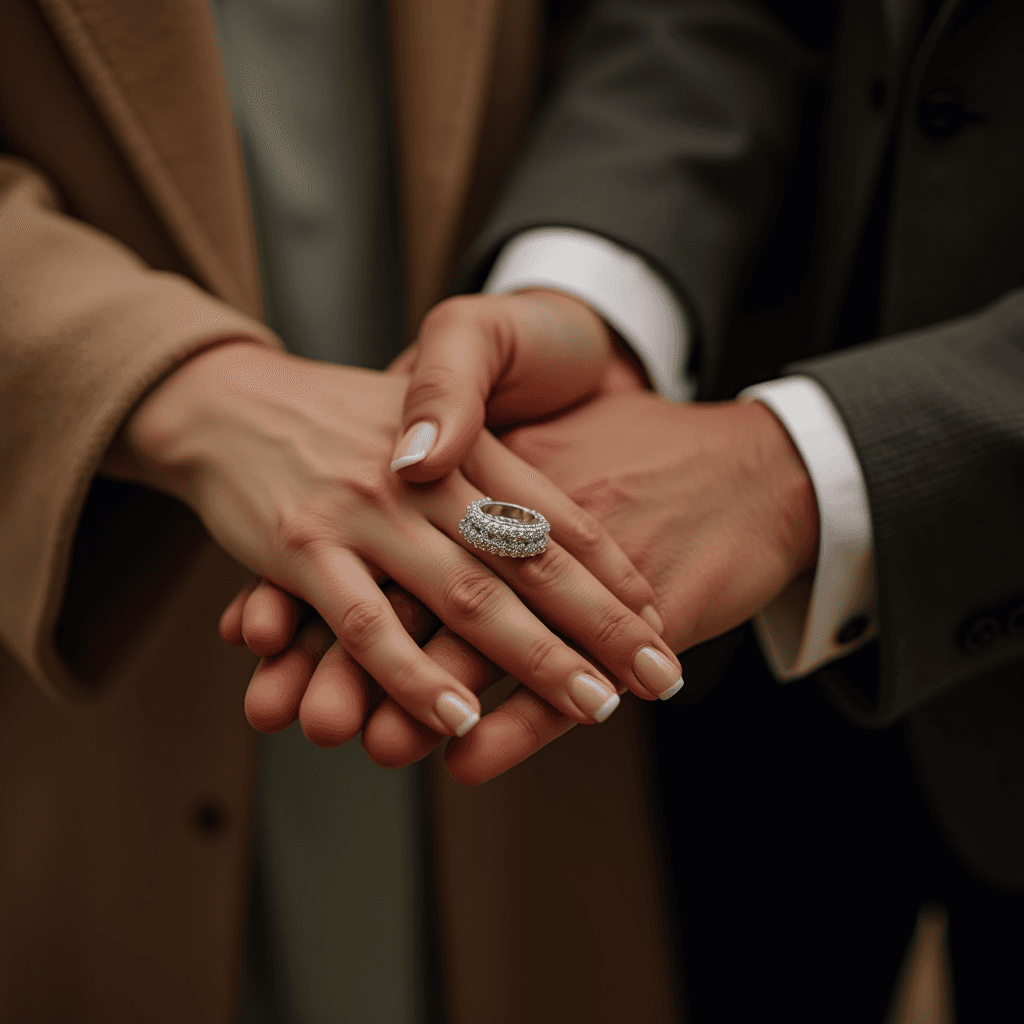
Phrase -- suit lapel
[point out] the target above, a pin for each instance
(153, 72)
(876, 44)
(900, 18)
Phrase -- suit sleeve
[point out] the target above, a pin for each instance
(86, 329)
(937, 420)
(669, 134)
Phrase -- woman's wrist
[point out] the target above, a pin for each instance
(149, 447)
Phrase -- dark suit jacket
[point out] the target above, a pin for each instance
(814, 187)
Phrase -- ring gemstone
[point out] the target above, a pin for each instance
(505, 529)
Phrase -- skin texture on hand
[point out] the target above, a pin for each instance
(285, 461)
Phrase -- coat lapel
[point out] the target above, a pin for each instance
(441, 54)
(153, 71)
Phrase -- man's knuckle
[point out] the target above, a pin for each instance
(371, 485)
(585, 532)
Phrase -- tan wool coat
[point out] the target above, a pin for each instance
(125, 758)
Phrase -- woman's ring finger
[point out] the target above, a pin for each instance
(503, 528)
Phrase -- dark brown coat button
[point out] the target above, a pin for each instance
(209, 818)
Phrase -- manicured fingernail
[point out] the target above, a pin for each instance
(652, 618)
(657, 673)
(597, 699)
(415, 445)
(456, 713)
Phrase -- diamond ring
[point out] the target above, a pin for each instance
(505, 529)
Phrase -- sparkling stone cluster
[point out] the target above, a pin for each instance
(504, 536)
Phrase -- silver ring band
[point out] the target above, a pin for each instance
(505, 529)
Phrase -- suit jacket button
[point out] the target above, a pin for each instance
(943, 112)
(980, 632)
(852, 629)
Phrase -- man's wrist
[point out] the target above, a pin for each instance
(781, 468)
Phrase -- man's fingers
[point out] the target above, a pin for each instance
(509, 734)
(334, 704)
(230, 625)
(270, 618)
(278, 684)
(405, 361)
(416, 618)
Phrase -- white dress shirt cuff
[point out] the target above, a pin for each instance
(617, 284)
(815, 621)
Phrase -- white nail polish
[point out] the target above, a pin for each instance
(657, 673)
(416, 445)
(672, 691)
(607, 708)
(456, 713)
(593, 697)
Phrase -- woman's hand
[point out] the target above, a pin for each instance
(500, 360)
(285, 461)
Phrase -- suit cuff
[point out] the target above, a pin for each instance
(817, 620)
(617, 284)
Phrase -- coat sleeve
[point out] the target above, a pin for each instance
(86, 329)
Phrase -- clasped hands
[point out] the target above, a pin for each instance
(287, 463)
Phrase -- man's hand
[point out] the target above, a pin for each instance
(712, 502)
